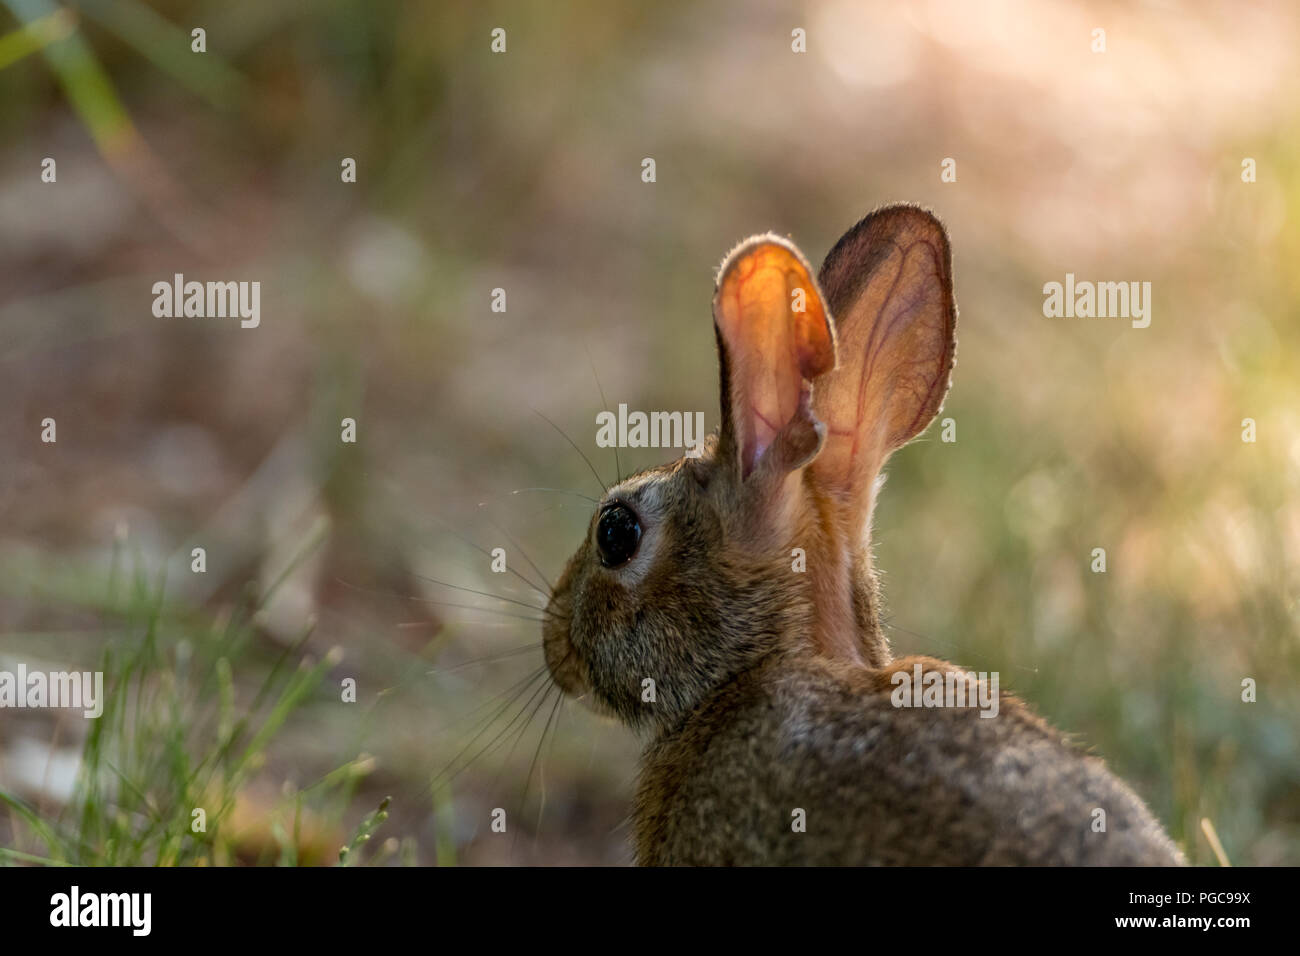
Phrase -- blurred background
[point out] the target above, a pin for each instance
(328, 561)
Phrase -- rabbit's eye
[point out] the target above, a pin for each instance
(617, 535)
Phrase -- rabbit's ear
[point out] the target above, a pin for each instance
(774, 337)
(888, 283)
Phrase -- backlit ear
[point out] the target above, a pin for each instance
(774, 336)
(888, 282)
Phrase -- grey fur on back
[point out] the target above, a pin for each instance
(879, 785)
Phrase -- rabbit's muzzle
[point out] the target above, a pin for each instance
(557, 649)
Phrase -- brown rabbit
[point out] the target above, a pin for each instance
(766, 695)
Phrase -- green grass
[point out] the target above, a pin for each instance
(165, 768)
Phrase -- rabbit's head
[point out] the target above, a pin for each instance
(691, 572)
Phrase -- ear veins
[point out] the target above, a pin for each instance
(770, 347)
(772, 490)
(889, 282)
(796, 442)
(881, 333)
(928, 407)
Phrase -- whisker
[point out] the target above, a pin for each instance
(541, 771)
(595, 474)
(507, 625)
(505, 734)
(618, 467)
(466, 607)
(485, 610)
(441, 776)
(520, 548)
(498, 597)
(516, 691)
(528, 777)
(491, 658)
(559, 491)
(546, 509)
(516, 686)
(488, 554)
(523, 731)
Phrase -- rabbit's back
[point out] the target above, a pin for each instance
(803, 761)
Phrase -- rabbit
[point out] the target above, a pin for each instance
(765, 694)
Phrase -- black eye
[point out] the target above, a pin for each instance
(617, 535)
